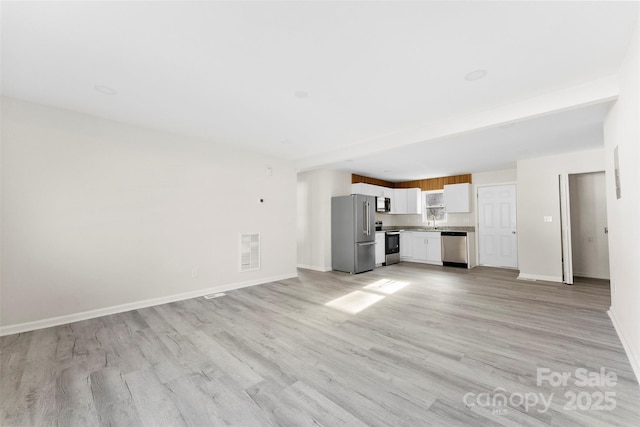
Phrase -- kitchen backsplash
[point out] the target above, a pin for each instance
(453, 219)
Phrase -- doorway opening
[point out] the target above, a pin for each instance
(585, 245)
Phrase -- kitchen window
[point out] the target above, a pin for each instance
(434, 206)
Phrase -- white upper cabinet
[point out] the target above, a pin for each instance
(457, 198)
(387, 192)
(403, 200)
(414, 201)
(362, 188)
(357, 188)
(406, 201)
(371, 190)
(399, 201)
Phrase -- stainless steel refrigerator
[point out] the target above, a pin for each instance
(353, 233)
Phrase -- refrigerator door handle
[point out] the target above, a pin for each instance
(366, 244)
(364, 216)
(368, 219)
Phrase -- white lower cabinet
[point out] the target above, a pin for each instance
(434, 248)
(421, 246)
(418, 247)
(380, 247)
(405, 245)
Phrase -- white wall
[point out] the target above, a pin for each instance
(315, 190)
(505, 176)
(539, 242)
(622, 130)
(97, 214)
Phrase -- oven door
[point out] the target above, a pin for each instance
(392, 242)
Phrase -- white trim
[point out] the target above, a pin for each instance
(565, 229)
(589, 276)
(634, 359)
(522, 276)
(90, 314)
(314, 268)
(496, 184)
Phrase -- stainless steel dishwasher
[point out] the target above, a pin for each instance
(454, 248)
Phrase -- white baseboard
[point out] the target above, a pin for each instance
(634, 359)
(589, 276)
(314, 268)
(91, 314)
(522, 276)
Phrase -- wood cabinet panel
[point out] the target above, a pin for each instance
(368, 180)
(423, 184)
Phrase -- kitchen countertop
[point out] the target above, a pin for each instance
(418, 228)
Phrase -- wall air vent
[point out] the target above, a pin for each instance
(249, 251)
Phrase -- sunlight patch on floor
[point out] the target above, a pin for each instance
(357, 301)
(386, 286)
(354, 302)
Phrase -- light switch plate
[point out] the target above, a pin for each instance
(547, 219)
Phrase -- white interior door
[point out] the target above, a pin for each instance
(565, 227)
(497, 226)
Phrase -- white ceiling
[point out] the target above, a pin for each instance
(493, 148)
(303, 79)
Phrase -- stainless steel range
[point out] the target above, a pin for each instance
(392, 247)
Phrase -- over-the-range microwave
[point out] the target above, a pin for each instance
(383, 204)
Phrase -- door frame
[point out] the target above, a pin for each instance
(565, 223)
(565, 229)
(475, 201)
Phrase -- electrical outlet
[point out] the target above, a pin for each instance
(195, 272)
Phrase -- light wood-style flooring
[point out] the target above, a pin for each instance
(436, 346)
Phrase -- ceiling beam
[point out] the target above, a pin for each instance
(594, 92)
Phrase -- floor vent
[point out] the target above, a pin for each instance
(249, 251)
